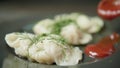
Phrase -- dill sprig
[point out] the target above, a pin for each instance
(59, 24)
(59, 39)
(39, 38)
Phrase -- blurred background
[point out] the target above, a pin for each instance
(18, 9)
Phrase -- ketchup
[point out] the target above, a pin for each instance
(109, 9)
(103, 48)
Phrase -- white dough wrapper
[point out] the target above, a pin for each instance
(90, 24)
(73, 35)
(97, 24)
(50, 50)
(72, 56)
(43, 26)
(20, 42)
(83, 22)
(44, 52)
(86, 38)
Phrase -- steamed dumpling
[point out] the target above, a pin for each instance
(51, 49)
(83, 22)
(43, 51)
(97, 25)
(47, 49)
(20, 42)
(90, 25)
(75, 28)
(72, 56)
(43, 27)
(73, 35)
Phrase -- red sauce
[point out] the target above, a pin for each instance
(112, 39)
(109, 9)
(103, 48)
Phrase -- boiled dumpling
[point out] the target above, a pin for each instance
(75, 28)
(86, 38)
(20, 42)
(43, 27)
(43, 51)
(83, 22)
(90, 25)
(97, 25)
(73, 35)
(47, 49)
(71, 56)
(52, 49)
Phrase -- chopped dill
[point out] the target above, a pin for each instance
(59, 39)
(39, 38)
(59, 24)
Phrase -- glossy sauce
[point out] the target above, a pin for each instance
(103, 48)
(109, 9)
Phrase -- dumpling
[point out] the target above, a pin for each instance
(71, 56)
(47, 49)
(97, 25)
(86, 38)
(52, 49)
(83, 22)
(90, 25)
(43, 50)
(43, 27)
(20, 42)
(75, 28)
(73, 35)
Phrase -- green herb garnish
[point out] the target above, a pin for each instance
(59, 24)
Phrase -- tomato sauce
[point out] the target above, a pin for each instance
(109, 9)
(103, 48)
